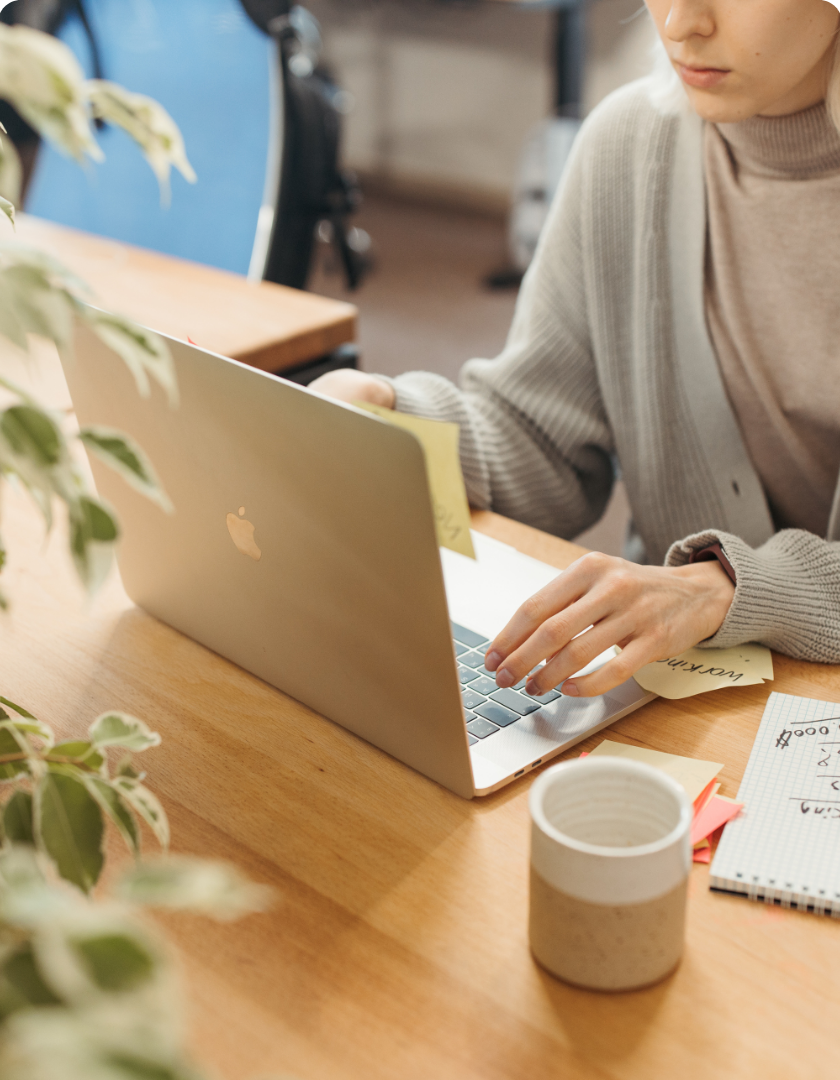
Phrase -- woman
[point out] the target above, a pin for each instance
(681, 318)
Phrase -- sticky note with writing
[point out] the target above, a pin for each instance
(697, 671)
(443, 467)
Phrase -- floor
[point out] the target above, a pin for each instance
(425, 307)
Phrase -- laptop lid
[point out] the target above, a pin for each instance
(336, 594)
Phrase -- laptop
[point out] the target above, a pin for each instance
(302, 548)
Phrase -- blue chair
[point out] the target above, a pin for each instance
(212, 69)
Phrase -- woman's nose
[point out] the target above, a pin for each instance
(689, 17)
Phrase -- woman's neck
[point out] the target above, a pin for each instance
(797, 147)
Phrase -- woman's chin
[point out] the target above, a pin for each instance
(720, 108)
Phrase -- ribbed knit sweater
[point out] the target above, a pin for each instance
(772, 265)
(609, 363)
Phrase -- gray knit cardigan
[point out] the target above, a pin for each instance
(609, 361)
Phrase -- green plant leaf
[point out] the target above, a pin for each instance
(143, 352)
(81, 752)
(93, 533)
(20, 972)
(183, 883)
(70, 824)
(8, 208)
(127, 459)
(114, 806)
(119, 729)
(11, 172)
(11, 746)
(148, 123)
(16, 708)
(33, 433)
(115, 962)
(17, 819)
(127, 1066)
(40, 299)
(126, 769)
(146, 804)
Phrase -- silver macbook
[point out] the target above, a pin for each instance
(303, 549)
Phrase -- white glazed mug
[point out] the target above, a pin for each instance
(610, 858)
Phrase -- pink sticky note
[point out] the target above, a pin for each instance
(703, 855)
(714, 814)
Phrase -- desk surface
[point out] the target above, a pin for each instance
(268, 326)
(398, 947)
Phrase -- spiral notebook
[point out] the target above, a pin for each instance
(784, 848)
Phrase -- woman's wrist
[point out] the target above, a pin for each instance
(716, 588)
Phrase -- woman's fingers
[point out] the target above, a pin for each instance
(617, 671)
(576, 655)
(537, 609)
(347, 384)
(552, 637)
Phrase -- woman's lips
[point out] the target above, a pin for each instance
(699, 77)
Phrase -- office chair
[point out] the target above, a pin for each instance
(306, 189)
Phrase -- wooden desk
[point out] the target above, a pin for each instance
(398, 948)
(265, 325)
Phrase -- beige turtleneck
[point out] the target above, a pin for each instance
(773, 301)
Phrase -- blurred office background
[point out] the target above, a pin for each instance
(438, 101)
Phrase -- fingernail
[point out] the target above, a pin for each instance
(504, 678)
(532, 688)
(570, 689)
(492, 660)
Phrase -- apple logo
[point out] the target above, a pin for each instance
(242, 534)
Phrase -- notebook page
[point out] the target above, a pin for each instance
(785, 845)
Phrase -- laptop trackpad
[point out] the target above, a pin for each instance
(562, 722)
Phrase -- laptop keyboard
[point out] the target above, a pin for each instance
(487, 707)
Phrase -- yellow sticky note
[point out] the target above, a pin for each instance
(443, 467)
(694, 775)
(696, 671)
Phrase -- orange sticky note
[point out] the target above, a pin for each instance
(714, 814)
(703, 855)
(705, 795)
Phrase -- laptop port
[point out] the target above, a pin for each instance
(536, 763)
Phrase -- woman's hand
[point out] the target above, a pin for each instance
(349, 385)
(651, 612)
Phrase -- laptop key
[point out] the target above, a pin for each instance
(483, 685)
(481, 728)
(459, 648)
(467, 637)
(492, 710)
(466, 674)
(470, 698)
(544, 699)
(474, 658)
(517, 702)
(471, 739)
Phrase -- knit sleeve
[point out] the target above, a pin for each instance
(535, 441)
(787, 594)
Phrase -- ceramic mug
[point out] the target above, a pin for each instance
(610, 858)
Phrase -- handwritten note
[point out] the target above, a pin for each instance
(443, 467)
(693, 774)
(785, 844)
(696, 671)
